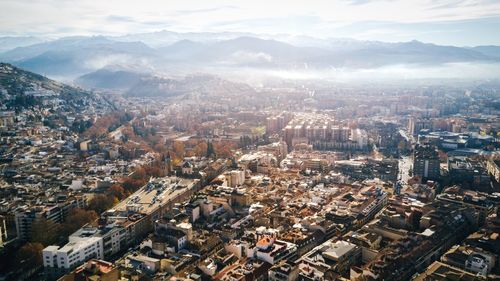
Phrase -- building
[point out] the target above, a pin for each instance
(26, 216)
(235, 178)
(145, 263)
(89, 242)
(272, 251)
(321, 131)
(274, 124)
(441, 271)
(409, 252)
(127, 223)
(283, 271)
(426, 162)
(466, 170)
(415, 125)
(71, 255)
(7, 118)
(370, 168)
(471, 259)
(55, 212)
(482, 202)
(140, 210)
(245, 270)
(3, 231)
(493, 167)
(336, 257)
(96, 270)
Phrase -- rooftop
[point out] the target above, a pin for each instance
(154, 194)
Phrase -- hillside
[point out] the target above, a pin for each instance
(20, 88)
(200, 84)
(110, 79)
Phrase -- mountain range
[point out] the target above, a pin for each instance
(91, 58)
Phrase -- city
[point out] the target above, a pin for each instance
(117, 175)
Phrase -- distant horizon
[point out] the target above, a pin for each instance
(339, 40)
(441, 22)
(267, 36)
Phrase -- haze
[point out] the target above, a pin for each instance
(231, 140)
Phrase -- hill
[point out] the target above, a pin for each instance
(154, 86)
(20, 88)
(110, 79)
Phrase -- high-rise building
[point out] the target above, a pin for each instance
(426, 162)
(415, 125)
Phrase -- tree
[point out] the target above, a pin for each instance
(201, 149)
(178, 148)
(210, 149)
(152, 171)
(223, 150)
(160, 148)
(45, 231)
(100, 203)
(117, 191)
(131, 184)
(77, 218)
(30, 255)
(139, 173)
(245, 141)
(107, 123)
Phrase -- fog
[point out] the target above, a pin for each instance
(408, 73)
(258, 61)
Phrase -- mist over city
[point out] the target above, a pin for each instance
(250, 140)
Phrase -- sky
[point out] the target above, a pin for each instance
(445, 22)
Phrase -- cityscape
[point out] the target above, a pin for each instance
(240, 154)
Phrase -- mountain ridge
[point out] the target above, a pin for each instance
(77, 56)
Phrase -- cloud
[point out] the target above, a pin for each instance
(207, 10)
(242, 57)
(321, 18)
(391, 73)
(116, 18)
(358, 2)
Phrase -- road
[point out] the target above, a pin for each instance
(405, 164)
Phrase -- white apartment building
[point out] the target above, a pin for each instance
(73, 254)
(86, 243)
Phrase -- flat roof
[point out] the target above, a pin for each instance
(338, 249)
(154, 194)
